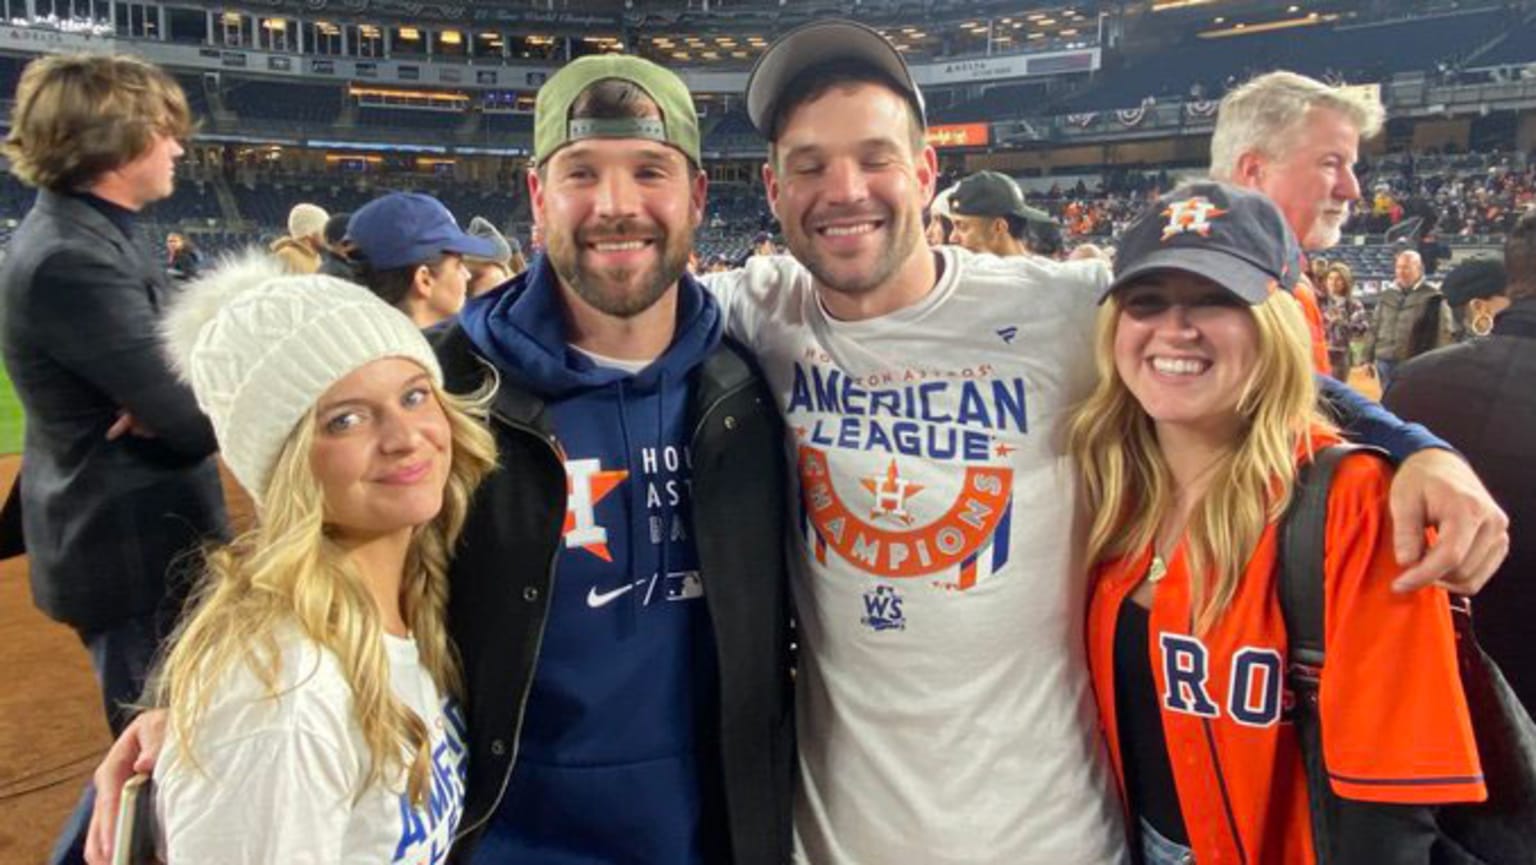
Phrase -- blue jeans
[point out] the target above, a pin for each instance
(1157, 850)
(121, 655)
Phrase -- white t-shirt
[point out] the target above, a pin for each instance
(281, 780)
(945, 711)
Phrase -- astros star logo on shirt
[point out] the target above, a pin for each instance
(587, 484)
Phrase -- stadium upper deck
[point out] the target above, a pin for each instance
(382, 71)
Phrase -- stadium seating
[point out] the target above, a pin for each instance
(289, 101)
(193, 201)
(197, 97)
(730, 131)
(410, 118)
(504, 124)
(1517, 47)
(1002, 100)
(10, 74)
(15, 198)
(1354, 53)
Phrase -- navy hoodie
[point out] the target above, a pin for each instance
(615, 757)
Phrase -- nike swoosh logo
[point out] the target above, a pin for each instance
(597, 599)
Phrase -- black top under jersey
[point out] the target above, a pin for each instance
(1149, 782)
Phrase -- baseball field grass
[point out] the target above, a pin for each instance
(10, 416)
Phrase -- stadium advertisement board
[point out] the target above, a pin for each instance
(945, 135)
(1007, 66)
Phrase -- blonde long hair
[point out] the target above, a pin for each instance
(1130, 491)
(285, 569)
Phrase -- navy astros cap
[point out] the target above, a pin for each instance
(1231, 236)
(402, 229)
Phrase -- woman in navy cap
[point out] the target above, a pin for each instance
(409, 250)
(1190, 446)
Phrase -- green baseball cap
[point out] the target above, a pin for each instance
(553, 126)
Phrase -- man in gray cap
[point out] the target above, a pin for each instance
(943, 703)
(990, 215)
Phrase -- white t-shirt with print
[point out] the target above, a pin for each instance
(281, 779)
(945, 713)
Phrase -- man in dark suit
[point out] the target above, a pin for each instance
(118, 477)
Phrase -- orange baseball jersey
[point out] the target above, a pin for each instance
(1394, 717)
(1306, 295)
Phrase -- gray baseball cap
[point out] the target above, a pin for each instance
(482, 228)
(814, 44)
(990, 194)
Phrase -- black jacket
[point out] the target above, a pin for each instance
(79, 307)
(503, 572)
(1479, 396)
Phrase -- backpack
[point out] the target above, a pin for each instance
(1500, 831)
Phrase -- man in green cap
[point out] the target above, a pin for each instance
(637, 708)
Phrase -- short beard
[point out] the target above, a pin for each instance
(566, 260)
(903, 239)
(1325, 233)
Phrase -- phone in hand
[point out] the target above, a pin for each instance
(136, 835)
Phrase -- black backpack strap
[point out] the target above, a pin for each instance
(1303, 533)
(1301, 556)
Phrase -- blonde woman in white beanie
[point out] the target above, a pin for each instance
(312, 692)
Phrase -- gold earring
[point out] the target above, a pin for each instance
(1482, 324)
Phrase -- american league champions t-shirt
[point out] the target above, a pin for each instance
(944, 702)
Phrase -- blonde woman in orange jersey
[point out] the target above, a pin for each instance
(1190, 445)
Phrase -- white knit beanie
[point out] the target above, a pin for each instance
(260, 346)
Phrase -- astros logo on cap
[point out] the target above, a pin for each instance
(1190, 215)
